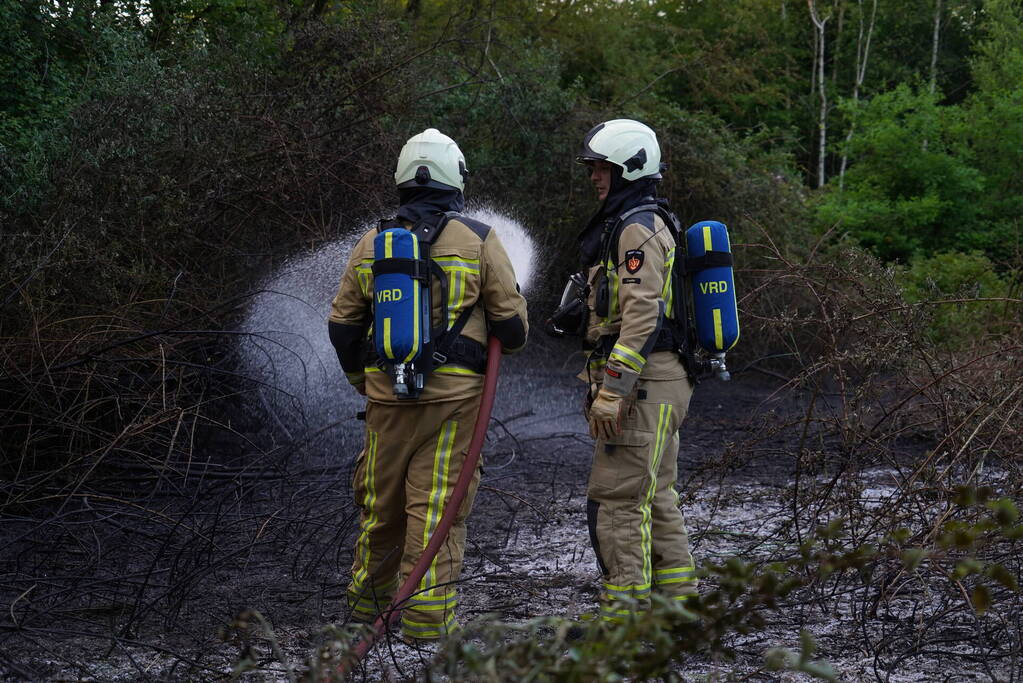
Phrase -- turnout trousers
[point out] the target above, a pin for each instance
(403, 481)
(636, 527)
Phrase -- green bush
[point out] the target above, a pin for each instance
(912, 187)
(964, 294)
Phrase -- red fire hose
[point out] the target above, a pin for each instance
(393, 611)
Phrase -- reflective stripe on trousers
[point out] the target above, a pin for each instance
(637, 528)
(403, 481)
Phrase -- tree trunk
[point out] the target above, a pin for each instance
(934, 53)
(862, 54)
(813, 71)
(837, 49)
(822, 122)
(934, 45)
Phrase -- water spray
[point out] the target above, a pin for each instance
(285, 348)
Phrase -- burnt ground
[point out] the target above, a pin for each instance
(145, 577)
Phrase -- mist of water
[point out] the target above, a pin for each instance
(286, 348)
(515, 239)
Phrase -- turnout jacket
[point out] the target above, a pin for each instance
(479, 276)
(637, 269)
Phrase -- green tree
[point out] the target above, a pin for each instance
(995, 131)
(958, 279)
(912, 187)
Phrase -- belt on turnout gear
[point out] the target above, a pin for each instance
(462, 351)
(667, 340)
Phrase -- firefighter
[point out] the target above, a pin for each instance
(639, 388)
(414, 448)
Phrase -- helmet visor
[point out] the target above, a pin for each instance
(586, 153)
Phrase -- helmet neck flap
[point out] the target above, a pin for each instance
(622, 196)
(419, 202)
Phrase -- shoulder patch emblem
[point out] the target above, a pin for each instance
(634, 260)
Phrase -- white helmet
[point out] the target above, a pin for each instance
(431, 159)
(625, 143)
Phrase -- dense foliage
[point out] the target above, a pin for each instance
(135, 137)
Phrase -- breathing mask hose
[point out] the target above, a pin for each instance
(408, 588)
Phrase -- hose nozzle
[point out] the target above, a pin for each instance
(569, 318)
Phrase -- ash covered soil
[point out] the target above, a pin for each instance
(266, 524)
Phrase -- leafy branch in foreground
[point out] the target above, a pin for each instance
(658, 644)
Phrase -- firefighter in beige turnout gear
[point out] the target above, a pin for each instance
(639, 388)
(414, 449)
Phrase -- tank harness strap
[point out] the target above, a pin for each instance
(711, 259)
(468, 353)
(659, 206)
(454, 348)
(414, 268)
(449, 345)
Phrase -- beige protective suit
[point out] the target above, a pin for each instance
(415, 448)
(636, 527)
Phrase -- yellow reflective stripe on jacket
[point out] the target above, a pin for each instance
(362, 546)
(451, 264)
(438, 492)
(611, 272)
(455, 370)
(625, 355)
(614, 308)
(443, 370)
(456, 297)
(364, 271)
(667, 292)
(457, 271)
(459, 298)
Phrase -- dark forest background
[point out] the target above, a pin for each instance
(151, 143)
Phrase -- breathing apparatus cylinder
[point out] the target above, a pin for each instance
(401, 305)
(715, 312)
